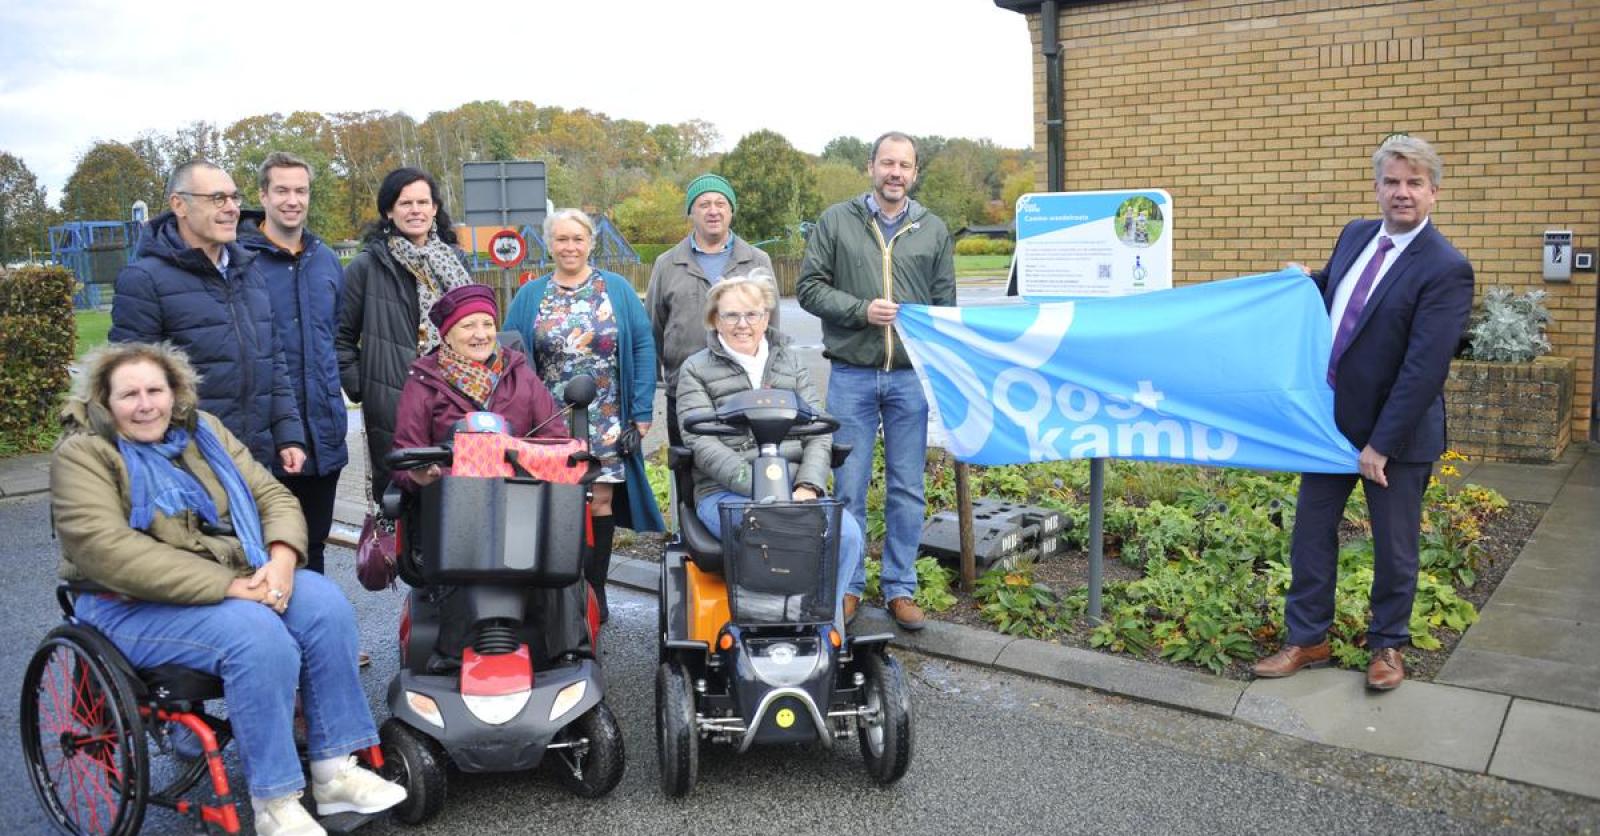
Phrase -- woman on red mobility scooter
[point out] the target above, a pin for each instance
(498, 665)
(198, 550)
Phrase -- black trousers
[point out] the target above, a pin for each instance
(316, 495)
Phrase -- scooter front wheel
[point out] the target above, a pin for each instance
(677, 739)
(592, 767)
(414, 761)
(885, 729)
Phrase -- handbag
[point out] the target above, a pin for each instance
(376, 549)
(376, 562)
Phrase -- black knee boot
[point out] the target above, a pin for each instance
(599, 563)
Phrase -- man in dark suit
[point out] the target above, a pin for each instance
(1398, 297)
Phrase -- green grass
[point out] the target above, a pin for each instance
(92, 329)
(982, 265)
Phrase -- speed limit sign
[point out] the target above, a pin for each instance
(507, 248)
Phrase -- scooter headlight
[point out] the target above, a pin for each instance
(425, 707)
(567, 698)
(496, 709)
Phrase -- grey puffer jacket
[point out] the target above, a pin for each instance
(710, 377)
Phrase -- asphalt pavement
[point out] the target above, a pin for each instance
(995, 753)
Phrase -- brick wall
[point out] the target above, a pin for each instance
(1510, 411)
(1260, 119)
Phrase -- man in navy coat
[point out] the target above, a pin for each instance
(1398, 297)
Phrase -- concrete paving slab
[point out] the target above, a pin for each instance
(1422, 721)
(1575, 507)
(1140, 680)
(1557, 560)
(643, 575)
(1551, 681)
(1586, 471)
(1551, 746)
(21, 475)
(1522, 482)
(1536, 635)
(1562, 601)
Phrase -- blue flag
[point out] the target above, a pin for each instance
(1227, 373)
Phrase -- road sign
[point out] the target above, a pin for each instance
(507, 248)
(504, 193)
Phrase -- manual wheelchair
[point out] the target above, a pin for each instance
(88, 718)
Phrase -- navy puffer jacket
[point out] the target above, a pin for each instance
(173, 292)
(305, 290)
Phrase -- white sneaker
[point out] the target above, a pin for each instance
(285, 816)
(356, 790)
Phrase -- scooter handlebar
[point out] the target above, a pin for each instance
(410, 458)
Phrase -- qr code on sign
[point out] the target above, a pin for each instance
(1105, 271)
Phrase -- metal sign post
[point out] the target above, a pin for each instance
(1094, 244)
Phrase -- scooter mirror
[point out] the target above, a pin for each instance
(580, 391)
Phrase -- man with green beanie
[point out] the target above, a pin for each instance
(683, 275)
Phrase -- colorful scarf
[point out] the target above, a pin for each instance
(437, 269)
(475, 380)
(156, 483)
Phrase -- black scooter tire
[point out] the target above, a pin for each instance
(416, 762)
(887, 739)
(603, 765)
(677, 740)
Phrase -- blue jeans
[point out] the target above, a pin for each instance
(852, 545)
(253, 649)
(863, 399)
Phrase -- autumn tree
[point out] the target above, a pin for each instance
(108, 179)
(837, 181)
(849, 150)
(774, 183)
(24, 215)
(654, 214)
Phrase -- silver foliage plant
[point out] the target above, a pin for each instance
(1510, 327)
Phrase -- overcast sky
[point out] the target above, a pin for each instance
(76, 71)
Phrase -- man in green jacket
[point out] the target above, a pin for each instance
(865, 256)
(683, 276)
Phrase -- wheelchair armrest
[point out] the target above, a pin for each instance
(840, 453)
(704, 549)
(680, 458)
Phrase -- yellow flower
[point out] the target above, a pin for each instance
(1449, 470)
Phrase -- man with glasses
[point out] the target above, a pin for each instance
(194, 287)
(304, 279)
(685, 274)
(863, 259)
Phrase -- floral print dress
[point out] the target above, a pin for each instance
(575, 333)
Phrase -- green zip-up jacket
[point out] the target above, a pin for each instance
(848, 264)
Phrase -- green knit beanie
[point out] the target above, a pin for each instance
(709, 183)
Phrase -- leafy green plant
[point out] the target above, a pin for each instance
(1510, 328)
(37, 343)
(1016, 605)
(933, 585)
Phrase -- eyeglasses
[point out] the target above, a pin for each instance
(736, 317)
(218, 199)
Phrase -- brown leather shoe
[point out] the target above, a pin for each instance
(907, 614)
(851, 603)
(1291, 658)
(1386, 671)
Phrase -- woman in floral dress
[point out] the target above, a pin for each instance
(580, 320)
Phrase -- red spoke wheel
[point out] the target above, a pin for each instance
(83, 739)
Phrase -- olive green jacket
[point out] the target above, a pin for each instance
(848, 264)
(173, 562)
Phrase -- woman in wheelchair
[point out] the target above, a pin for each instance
(197, 550)
(471, 372)
(743, 353)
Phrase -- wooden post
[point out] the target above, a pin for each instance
(969, 568)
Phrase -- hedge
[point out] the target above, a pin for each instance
(37, 338)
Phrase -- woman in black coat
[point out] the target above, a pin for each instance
(408, 262)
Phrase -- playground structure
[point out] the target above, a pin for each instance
(94, 251)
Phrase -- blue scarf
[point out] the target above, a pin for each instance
(157, 484)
